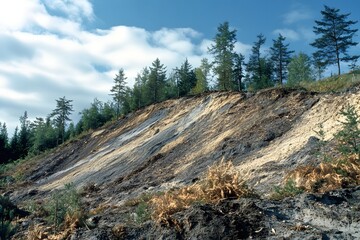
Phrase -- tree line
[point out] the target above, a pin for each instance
(154, 83)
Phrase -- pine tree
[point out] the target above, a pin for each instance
(24, 136)
(156, 82)
(186, 78)
(281, 56)
(319, 64)
(223, 52)
(258, 67)
(14, 145)
(349, 136)
(335, 37)
(299, 69)
(119, 90)
(61, 113)
(238, 72)
(4, 144)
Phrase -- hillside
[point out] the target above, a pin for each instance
(172, 144)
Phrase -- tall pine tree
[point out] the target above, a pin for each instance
(239, 67)
(118, 91)
(223, 52)
(61, 116)
(258, 67)
(280, 56)
(335, 37)
(156, 82)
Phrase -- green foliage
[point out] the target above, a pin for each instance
(142, 212)
(259, 68)
(202, 75)
(349, 136)
(288, 190)
(299, 70)
(223, 52)
(118, 91)
(280, 55)
(61, 113)
(321, 153)
(64, 203)
(156, 83)
(238, 71)
(333, 84)
(7, 214)
(186, 78)
(335, 37)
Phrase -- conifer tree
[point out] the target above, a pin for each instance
(258, 67)
(118, 91)
(186, 78)
(335, 37)
(24, 136)
(239, 67)
(223, 52)
(4, 144)
(202, 77)
(281, 56)
(62, 116)
(156, 82)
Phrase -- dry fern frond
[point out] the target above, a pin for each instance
(221, 181)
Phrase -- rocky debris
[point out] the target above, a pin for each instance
(332, 215)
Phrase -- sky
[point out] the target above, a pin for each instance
(74, 48)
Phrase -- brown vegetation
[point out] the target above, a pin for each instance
(221, 181)
(327, 175)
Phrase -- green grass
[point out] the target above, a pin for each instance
(334, 83)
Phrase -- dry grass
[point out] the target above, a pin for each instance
(327, 175)
(221, 181)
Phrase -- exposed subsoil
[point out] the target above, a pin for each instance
(172, 144)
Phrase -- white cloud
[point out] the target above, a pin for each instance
(74, 9)
(296, 16)
(290, 34)
(49, 56)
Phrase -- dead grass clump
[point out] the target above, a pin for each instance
(328, 175)
(221, 181)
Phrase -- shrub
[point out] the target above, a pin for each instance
(64, 207)
(288, 190)
(349, 136)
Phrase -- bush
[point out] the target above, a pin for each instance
(288, 190)
(64, 207)
(8, 211)
(349, 136)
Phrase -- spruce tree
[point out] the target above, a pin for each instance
(258, 67)
(24, 136)
(118, 91)
(281, 56)
(335, 37)
(61, 116)
(238, 72)
(223, 52)
(186, 78)
(156, 82)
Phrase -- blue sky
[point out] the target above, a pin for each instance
(73, 48)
